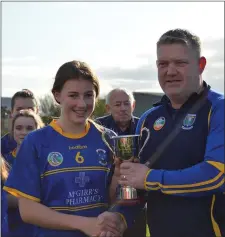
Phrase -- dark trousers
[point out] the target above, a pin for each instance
(139, 228)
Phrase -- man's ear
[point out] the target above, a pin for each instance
(107, 108)
(202, 64)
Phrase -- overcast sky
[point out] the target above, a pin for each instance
(117, 39)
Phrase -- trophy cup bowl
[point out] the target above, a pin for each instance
(125, 147)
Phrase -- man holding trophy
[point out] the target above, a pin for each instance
(182, 161)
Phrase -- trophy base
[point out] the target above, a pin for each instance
(127, 195)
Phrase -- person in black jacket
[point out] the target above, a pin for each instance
(120, 104)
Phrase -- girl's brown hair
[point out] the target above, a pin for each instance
(28, 114)
(75, 70)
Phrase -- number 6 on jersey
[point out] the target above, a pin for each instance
(79, 159)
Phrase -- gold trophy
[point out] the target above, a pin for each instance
(125, 147)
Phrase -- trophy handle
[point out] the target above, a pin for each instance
(146, 140)
(110, 135)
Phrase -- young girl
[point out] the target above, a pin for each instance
(4, 215)
(59, 173)
(24, 122)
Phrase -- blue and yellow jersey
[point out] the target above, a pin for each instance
(10, 157)
(8, 144)
(64, 172)
(185, 181)
(4, 215)
(16, 226)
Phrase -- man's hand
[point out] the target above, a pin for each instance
(118, 162)
(106, 224)
(111, 225)
(133, 174)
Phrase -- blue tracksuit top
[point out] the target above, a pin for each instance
(184, 183)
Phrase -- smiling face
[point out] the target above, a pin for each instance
(23, 126)
(77, 99)
(178, 70)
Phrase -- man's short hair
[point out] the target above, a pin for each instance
(24, 93)
(181, 36)
(127, 92)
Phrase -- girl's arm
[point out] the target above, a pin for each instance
(37, 214)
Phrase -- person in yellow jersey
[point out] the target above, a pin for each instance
(24, 122)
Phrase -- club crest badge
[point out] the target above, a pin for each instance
(55, 158)
(102, 156)
(189, 121)
(159, 123)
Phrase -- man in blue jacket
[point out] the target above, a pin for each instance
(184, 182)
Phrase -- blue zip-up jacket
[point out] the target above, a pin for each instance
(185, 181)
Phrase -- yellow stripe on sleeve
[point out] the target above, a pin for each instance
(195, 190)
(145, 180)
(19, 194)
(186, 185)
(218, 165)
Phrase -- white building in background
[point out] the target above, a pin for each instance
(145, 101)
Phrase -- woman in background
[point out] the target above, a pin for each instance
(24, 122)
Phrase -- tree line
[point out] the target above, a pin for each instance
(49, 110)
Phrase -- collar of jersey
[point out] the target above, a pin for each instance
(58, 129)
